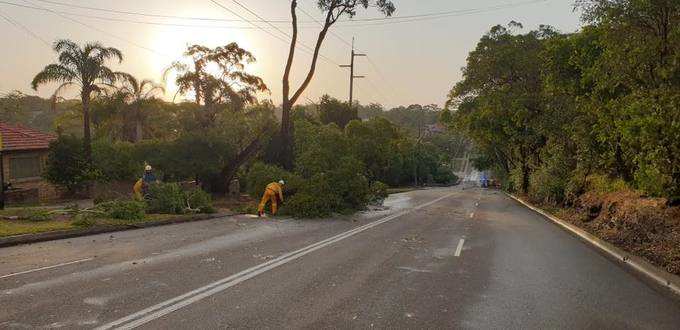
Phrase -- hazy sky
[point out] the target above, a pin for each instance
(417, 62)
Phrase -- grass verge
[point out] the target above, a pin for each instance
(24, 226)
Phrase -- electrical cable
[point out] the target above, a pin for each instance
(285, 33)
(395, 19)
(102, 31)
(25, 29)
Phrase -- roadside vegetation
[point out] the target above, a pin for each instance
(335, 158)
(586, 121)
(165, 202)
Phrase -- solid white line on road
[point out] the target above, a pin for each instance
(166, 307)
(459, 248)
(46, 267)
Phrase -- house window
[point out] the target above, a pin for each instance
(22, 167)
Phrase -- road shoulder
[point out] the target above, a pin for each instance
(650, 273)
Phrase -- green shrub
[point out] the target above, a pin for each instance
(84, 220)
(338, 191)
(166, 198)
(304, 205)
(605, 184)
(551, 181)
(116, 160)
(249, 208)
(38, 216)
(444, 175)
(378, 191)
(66, 165)
(652, 181)
(260, 175)
(200, 200)
(125, 209)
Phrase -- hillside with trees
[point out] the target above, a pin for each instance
(589, 120)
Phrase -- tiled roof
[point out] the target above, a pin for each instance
(17, 137)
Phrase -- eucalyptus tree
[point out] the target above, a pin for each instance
(333, 10)
(217, 78)
(499, 102)
(83, 67)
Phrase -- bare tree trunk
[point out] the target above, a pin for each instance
(229, 171)
(286, 136)
(139, 133)
(87, 139)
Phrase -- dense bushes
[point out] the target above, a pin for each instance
(338, 171)
(260, 175)
(124, 209)
(200, 201)
(600, 102)
(66, 164)
(166, 198)
(392, 157)
(169, 198)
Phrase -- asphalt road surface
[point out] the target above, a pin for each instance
(437, 258)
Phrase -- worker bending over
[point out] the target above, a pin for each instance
(273, 193)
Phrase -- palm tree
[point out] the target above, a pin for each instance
(83, 67)
(137, 94)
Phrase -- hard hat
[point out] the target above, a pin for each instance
(282, 182)
(147, 168)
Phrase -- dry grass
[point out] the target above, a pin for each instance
(640, 225)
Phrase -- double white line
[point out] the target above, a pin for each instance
(166, 307)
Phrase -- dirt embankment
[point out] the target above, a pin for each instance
(644, 226)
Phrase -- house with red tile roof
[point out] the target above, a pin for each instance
(24, 152)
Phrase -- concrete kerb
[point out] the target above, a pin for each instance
(653, 274)
(63, 234)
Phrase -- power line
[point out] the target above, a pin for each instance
(351, 44)
(382, 77)
(272, 34)
(248, 21)
(137, 13)
(126, 20)
(26, 29)
(428, 17)
(285, 33)
(346, 22)
(101, 31)
(322, 25)
(380, 94)
(446, 13)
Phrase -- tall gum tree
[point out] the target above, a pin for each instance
(334, 10)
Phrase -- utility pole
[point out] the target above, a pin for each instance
(2, 177)
(351, 74)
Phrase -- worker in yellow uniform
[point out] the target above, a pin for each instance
(273, 192)
(137, 190)
(141, 188)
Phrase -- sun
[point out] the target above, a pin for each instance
(170, 43)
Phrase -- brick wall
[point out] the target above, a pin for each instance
(45, 190)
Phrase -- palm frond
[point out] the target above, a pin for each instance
(152, 88)
(106, 75)
(54, 73)
(65, 45)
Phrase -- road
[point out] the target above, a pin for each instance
(437, 258)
